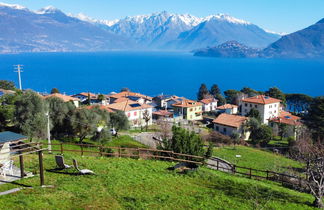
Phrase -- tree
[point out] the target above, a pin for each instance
(84, 123)
(147, 118)
(203, 92)
(7, 110)
(315, 118)
(249, 91)
(214, 90)
(235, 136)
(101, 97)
(30, 115)
(209, 152)
(102, 137)
(255, 114)
(283, 130)
(231, 96)
(221, 99)
(298, 102)
(119, 121)
(262, 135)
(275, 92)
(312, 155)
(7, 85)
(55, 90)
(125, 89)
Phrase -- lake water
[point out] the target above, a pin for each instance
(154, 73)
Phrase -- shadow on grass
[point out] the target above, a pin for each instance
(15, 183)
(59, 171)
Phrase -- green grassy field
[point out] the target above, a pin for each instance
(122, 183)
(255, 158)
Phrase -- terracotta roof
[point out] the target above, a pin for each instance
(227, 106)
(128, 105)
(128, 93)
(7, 91)
(162, 113)
(208, 100)
(261, 99)
(187, 103)
(100, 107)
(287, 118)
(230, 120)
(92, 95)
(65, 98)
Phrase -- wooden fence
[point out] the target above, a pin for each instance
(295, 182)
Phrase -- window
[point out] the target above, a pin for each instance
(275, 105)
(191, 109)
(128, 114)
(256, 106)
(245, 104)
(217, 128)
(245, 110)
(224, 130)
(135, 113)
(250, 105)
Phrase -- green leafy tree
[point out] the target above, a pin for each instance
(315, 118)
(235, 136)
(221, 99)
(249, 91)
(255, 114)
(231, 96)
(298, 102)
(214, 90)
(283, 130)
(262, 135)
(7, 110)
(209, 152)
(203, 92)
(125, 89)
(101, 97)
(102, 137)
(7, 85)
(275, 92)
(55, 90)
(119, 121)
(30, 115)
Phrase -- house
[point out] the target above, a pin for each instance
(292, 122)
(65, 98)
(84, 98)
(166, 101)
(134, 111)
(188, 109)
(268, 107)
(162, 114)
(227, 124)
(140, 98)
(228, 109)
(209, 104)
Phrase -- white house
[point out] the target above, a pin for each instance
(268, 107)
(134, 111)
(228, 109)
(227, 124)
(65, 98)
(209, 104)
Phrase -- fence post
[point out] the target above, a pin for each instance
(119, 152)
(62, 148)
(250, 173)
(234, 169)
(100, 150)
(267, 174)
(81, 146)
(217, 164)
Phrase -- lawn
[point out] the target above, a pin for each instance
(255, 158)
(122, 183)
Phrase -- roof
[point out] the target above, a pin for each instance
(162, 113)
(227, 106)
(8, 136)
(92, 95)
(103, 107)
(230, 120)
(4, 91)
(65, 98)
(128, 105)
(128, 93)
(261, 99)
(187, 103)
(208, 100)
(287, 118)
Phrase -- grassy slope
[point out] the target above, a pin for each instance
(146, 184)
(255, 158)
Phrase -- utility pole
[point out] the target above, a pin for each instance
(19, 68)
(48, 133)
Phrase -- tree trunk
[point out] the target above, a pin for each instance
(318, 203)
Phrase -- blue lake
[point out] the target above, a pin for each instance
(153, 73)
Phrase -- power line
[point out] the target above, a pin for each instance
(19, 68)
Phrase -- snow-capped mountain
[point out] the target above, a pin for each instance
(50, 30)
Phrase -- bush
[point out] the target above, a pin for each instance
(262, 135)
(218, 138)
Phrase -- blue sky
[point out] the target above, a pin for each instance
(275, 15)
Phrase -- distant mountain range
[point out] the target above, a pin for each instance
(50, 30)
(306, 43)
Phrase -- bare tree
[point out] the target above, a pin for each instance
(146, 117)
(312, 154)
(165, 129)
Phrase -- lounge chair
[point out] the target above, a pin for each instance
(60, 162)
(82, 171)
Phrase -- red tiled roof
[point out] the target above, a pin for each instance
(103, 107)
(187, 103)
(208, 100)
(287, 118)
(128, 93)
(127, 106)
(261, 99)
(230, 120)
(227, 106)
(92, 95)
(65, 98)
(162, 113)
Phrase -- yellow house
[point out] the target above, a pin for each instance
(188, 109)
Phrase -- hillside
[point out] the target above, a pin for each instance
(146, 184)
